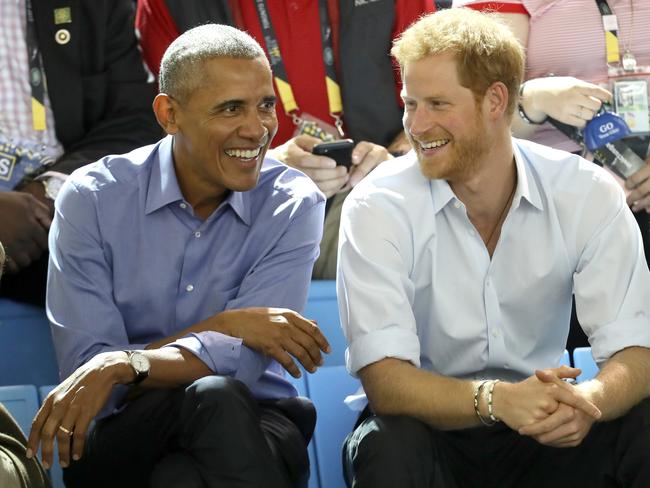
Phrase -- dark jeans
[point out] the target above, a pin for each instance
(212, 433)
(391, 451)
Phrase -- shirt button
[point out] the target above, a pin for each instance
(487, 282)
(197, 234)
(495, 333)
(457, 204)
(639, 314)
(183, 205)
(189, 288)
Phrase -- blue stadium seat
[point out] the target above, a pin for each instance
(301, 386)
(323, 308)
(328, 387)
(583, 359)
(22, 403)
(26, 351)
(56, 472)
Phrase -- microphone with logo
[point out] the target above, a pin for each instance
(602, 136)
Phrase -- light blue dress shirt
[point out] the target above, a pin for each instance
(416, 282)
(130, 263)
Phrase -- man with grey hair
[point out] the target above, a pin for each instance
(174, 275)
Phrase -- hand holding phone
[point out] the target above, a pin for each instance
(340, 151)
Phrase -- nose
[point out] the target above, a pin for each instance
(253, 128)
(418, 121)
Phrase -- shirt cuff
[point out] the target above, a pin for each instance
(218, 351)
(390, 342)
(607, 340)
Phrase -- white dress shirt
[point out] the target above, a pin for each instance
(416, 282)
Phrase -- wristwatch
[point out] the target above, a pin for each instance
(140, 365)
(52, 186)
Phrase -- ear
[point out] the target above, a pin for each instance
(166, 110)
(495, 102)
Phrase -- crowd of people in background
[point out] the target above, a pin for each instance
(157, 175)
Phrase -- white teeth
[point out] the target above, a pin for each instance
(433, 144)
(243, 153)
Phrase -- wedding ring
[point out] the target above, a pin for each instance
(65, 431)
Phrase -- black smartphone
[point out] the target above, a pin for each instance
(339, 151)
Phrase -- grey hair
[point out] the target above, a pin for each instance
(181, 66)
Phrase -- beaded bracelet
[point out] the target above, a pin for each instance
(522, 112)
(490, 391)
(477, 395)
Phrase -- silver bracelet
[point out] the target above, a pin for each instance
(490, 395)
(477, 395)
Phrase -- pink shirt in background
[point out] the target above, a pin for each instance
(566, 38)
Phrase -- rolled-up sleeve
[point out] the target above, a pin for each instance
(280, 279)
(374, 290)
(612, 281)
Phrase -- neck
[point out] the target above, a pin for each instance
(488, 194)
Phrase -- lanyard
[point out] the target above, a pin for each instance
(610, 23)
(280, 73)
(36, 72)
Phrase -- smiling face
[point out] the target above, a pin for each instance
(443, 120)
(223, 129)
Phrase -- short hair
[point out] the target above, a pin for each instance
(181, 67)
(486, 50)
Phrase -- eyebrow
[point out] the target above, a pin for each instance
(236, 102)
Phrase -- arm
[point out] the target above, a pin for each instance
(611, 286)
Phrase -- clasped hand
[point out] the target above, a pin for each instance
(550, 410)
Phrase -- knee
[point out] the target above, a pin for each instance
(218, 393)
(389, 438)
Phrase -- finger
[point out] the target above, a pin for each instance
(48, 434)
(307, 142)
(360, 151)
(313, 161)
(300, 353)
(311, 328)
(42, 213)
(64, 439)
(569, 395)
(319, 175)
(551, 375)
(11, 265)
(574, 120)
(598, 92)
(554, 421)
(592, 104)
(309, 344)
(285, 360)
(79, 436)
(639, 177)
(561, 434)
(372, 159)
(643, 204)
(37, 425)
(330, 187)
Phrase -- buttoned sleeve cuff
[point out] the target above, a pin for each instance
(218, 351)
(389, 342)
(608, 339)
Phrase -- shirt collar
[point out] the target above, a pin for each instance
(164, 190)
(527, 186)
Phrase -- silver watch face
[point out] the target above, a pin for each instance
(52, 187)
(140, 362)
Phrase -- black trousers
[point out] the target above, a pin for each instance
(399, 451)
(210, 434)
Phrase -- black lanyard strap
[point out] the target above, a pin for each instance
(280, 73)
(610, 24)
(36, 71)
